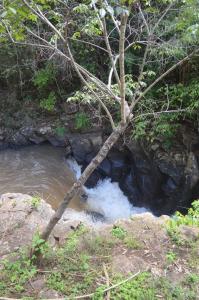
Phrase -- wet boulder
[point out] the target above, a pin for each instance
(19, 140)
(84, 144)
(119, 165)
(130, 188)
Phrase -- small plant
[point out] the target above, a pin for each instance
(14, 203)
(35, 202)
(192, 279)
(15, 274)
(73, 239)
(56, 282)
(191, 219)
(171, 256)
(84, 259)
(81, 121)
(132, 243)
(39, 246)
(60, 131)
(119, 232)
(44, 77)
(174, 233)
(49, 102)
(100, 246)
(134, 289)
(74, 274)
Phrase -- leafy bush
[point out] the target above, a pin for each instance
(119, 232)
(164, 125)
(60, 131)
(81, 121)
(191, 219)
(134, 289)
(49, 102)
(183, 99)
(43, 80)
(16, 273)
(39, 245)
(35, 202)
(44, 77)
(171, 256)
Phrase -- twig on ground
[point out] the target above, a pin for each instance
(108, 294)
(107, 289)
(88, 295)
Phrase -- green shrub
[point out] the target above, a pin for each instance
(49, 102)
(60, 131)
(39, 245)
(15, 274)
(81, 121)
(171, 256)
(119, 232)
(190, 219)
(183, 99)
(139, 288)
(44, 77)
(35, 202)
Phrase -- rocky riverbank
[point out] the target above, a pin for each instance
(152, 175)
(161, 179)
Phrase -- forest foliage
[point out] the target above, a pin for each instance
(54, 82)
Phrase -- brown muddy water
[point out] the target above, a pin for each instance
(42, 170)
(37, 170)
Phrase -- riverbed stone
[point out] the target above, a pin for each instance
(93, 179)
(105, 168)
(20, 219)
(130, 188)
(19, 140)
(84, 144)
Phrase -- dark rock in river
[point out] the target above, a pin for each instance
(83, 145)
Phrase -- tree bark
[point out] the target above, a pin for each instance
(112, 139)
(122, 67)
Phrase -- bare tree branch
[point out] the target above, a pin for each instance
(89, 43)
(161, 77)
(162, 17)
(97, 81)
(124, 19)
(144, 20)
(113, 19)
(156, 113)
(113, 63)
(111, 72)
(88, 86)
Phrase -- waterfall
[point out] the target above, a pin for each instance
(106, 198)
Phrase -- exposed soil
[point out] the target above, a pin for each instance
(81, 259)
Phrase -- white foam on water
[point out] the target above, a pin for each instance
(106, 198)
(73, 165)
(71, 214)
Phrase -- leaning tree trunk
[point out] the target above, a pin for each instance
(112, 139)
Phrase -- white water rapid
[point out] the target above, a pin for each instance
(42, 170)
(106, 198)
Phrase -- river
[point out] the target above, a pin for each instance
(42, 170)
